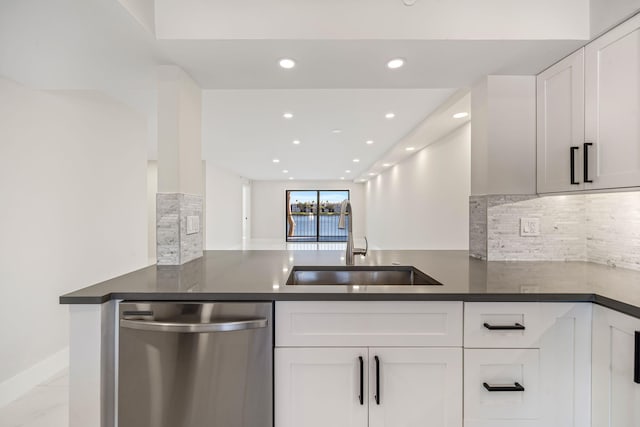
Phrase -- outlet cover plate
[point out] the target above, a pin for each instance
(193, 224)
(529, 227)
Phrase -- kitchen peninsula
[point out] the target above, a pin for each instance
(533, 322)
(261, 275)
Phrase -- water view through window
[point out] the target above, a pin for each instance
(313, 215)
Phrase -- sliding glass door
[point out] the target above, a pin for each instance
(312, 215)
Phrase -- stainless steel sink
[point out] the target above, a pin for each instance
(359, 275)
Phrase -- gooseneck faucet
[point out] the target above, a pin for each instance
(351, 251)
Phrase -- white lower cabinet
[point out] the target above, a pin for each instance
(616, 394)
(320, 387)
(535, 360)
(401, 387)
(522, 365)
(502, 387)
(416, 387)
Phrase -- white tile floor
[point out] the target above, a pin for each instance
(276, 244)
(47, 405)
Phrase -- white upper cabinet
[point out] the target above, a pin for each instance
(560, 133)
(588, 110)
(612, 107)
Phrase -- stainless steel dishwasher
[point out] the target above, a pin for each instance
(195, 365)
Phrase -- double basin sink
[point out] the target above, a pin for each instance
(359, 275)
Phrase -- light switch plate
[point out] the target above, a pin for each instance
(193, 224)
(529, 227)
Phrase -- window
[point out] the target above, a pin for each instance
(313, 215)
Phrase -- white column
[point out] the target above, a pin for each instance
(180, 188)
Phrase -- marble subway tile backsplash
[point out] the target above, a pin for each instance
(174, 246)
(613, 229)
(562, 228)
(478, 226)
(601, 228)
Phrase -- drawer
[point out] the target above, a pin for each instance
(506, 368)
(368, 323)
(512, 325)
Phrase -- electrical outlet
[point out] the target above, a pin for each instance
(193, 224)
(529, 227)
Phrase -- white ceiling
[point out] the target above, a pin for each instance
(99, 45)
(344, 64)
(243, 130)
(436, 126)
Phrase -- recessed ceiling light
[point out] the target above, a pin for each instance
(276, 160)
(386, 165)
(288, 115)
(285, 171)
(342, 177)
(369, 142)
(371, 174)
(362, 180)
(356, 160)
(290, 177)
(287, 63)
(395, 63)
(337, 131)
(389, 115)
(296, 142)
(460, 115)
(347, 171)
(410, 148)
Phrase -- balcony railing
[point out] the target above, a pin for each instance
(311, 227)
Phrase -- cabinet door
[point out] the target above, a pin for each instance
(415, 387)
(616, 397)
(320, 387)
(560, 119)
(612, 107)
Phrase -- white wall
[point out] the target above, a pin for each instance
(423, 202)
(152, 190)
(605, 14)
(503, 113)
(268, 205)
(479, 137)
(223, 208)
(73, 212)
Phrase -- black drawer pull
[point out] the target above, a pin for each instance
(572, 165)
(585, 168)
(514, 387)
(361, 395)
(515, 327)
(636, 363)
(377, 395)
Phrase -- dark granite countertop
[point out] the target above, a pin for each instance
(261, 276)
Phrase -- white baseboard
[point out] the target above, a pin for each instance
(18, 385)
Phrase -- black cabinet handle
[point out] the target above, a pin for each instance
(572, 151)
(377, 395)
(586, 161)
(516, 327)
(636, 359)
(361, 395)
(514, 387)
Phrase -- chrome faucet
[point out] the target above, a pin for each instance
(351, 251)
